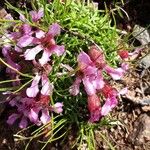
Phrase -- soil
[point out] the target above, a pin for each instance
(133, 112)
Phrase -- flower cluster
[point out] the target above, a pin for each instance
(26, 48)
(91, 67)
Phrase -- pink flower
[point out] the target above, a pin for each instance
(90, 76)
(37, 15)
(47, 44)
(29, 109)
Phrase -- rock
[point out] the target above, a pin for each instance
(141, 131)
(141, 34)
(145, 62)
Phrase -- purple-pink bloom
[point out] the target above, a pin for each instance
(37, 15)
(29, 109)
(47, 44)
(90, 76)
(33, 115)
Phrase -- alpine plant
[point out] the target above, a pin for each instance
(29, 49)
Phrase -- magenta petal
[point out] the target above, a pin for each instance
(47, 87)
(31, 53)
(74, 89)
(12, 118)
(90, 70)
(58, 107)
(54, 29)
(33, 115)
(45, 57)
(45, 118)
(25, 40)
(26, 29)
(89, 87)
(58, 50)
(84, 58)
(109, 105)
(39, 34)
(23, 123)
(37, 15)
(33, 89)
(17, 49)
(116, 74)
(98, 83)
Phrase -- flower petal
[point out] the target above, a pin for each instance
(98, 81)
(45, 57)
(89, 87)
(31, 53)
(12, 118)
(45, 118)
(37, 15)
(54, 29)
(74, 89)
(25, 40)
(47, 87)
(109, 105)
(26, 28)
(58, 50)
(116, 74)
(58, 107)
(33, 115)
(39, 34)
(84, 60)
(33, 89)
